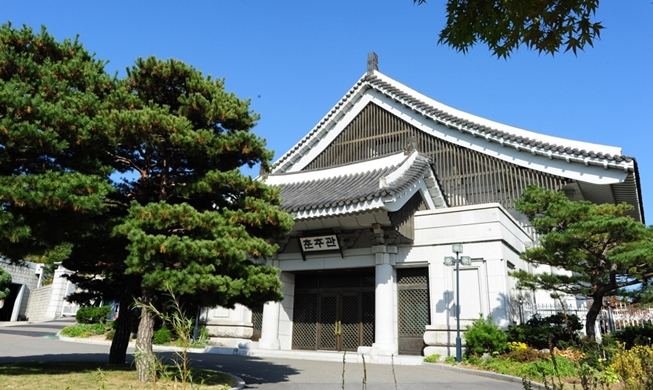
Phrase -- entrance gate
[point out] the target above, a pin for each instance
(333, 311)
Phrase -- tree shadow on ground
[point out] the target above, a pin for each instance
(24, 367)
(252, 370)
(81, 357)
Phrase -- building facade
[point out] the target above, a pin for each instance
(380, 189)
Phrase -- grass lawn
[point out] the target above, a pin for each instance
(95, 375)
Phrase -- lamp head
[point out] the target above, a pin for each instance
(465, 260)
(449, 261)
(457, 248)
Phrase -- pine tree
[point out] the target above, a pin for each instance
(53, 172)
(183, 215)
(194, 222)
(58, 201)
(601, 247)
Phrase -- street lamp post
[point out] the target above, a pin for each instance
(449, 261)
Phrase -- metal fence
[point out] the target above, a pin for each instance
(613, 316)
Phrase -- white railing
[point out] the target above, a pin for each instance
(612, 317)
(621, 315)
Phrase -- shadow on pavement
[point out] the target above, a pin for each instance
(87, 357)
(252, 369)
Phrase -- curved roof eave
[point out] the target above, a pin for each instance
(383, 184)
(600, 164)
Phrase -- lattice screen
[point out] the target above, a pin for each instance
(350, 320)
(413, 294)
(305, 321)
(328, 316)
(257, 323)
(467, 177)
(369, 308)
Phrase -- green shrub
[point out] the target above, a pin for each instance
(635, 335)
(432, 358)
(92, 314)
(635, 366)
(162, 336)
(500, 365)
(111, 334)
(563, 368)
(84, 330)
(483, 336)
(450, 360)
(537, 331)
(204, 333)
(5, 282)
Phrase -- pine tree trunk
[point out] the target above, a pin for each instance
(120, 342)
(592, 315)
(145, 365)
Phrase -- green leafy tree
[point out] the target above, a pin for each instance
(504, 26)
(601, 247)
(193, 222)
(5, 282)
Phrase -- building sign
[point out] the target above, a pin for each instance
(319, 243)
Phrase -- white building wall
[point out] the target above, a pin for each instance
(492, 238)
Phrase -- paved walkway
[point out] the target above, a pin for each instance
(33, 342)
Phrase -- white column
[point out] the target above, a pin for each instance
(270, 330)
(384, 316)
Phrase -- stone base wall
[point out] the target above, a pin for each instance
(230, 330)
(226, 342)
(441, 339)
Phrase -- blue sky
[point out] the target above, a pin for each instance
(295, 60)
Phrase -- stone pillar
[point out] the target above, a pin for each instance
(270, 330)
(58, 293)
(384, 316)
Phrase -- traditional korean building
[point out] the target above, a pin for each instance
(380, 189)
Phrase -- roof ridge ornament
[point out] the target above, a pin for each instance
(372, 62)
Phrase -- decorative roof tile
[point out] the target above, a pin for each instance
(535, 144)
(364, 186)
